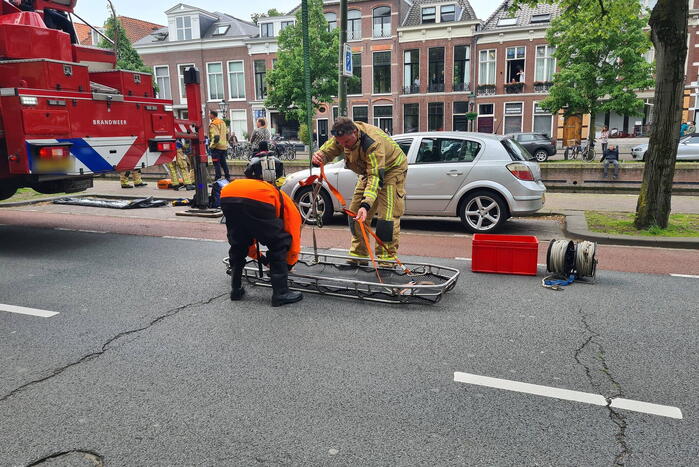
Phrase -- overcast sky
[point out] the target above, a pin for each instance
(95, 11)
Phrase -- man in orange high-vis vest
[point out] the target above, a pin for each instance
(257, 211)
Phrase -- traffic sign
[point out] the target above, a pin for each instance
(347, 62)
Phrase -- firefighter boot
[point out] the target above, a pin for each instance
(281, 295)
(237, 290)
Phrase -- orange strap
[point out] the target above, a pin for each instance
(363, 228)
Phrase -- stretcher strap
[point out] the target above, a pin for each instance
(321, 178)
(363, 228)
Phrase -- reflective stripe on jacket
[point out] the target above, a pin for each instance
(217, 127)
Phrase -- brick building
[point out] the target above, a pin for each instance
(422, 65)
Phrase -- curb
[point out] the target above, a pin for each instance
(575, 226)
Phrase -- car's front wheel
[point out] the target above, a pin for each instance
(541, 155)
(324, 206)
(483, 212)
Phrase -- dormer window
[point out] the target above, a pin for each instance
(286, 24)
(447, 13)
(266, 29)
(429, 15)
(184, 28)
(542, 18)
(221, 30)
(507, 22)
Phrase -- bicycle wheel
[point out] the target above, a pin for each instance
(590, 154)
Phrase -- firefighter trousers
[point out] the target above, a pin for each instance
(245, 224)
(388, 207)
(124, 177)
(179, 169)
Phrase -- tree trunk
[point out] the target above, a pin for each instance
(668, 22)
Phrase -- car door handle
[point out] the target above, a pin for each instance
(454, 173)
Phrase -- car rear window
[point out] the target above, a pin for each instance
(516, 150)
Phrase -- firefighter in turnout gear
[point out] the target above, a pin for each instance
(180, 164)
(257, 211)
(218, 143)
(137, 180)
(380, 190)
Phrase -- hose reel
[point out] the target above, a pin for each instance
(568, 261)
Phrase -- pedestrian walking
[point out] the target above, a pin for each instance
(380, 190)
(218, 143)
(257, 211)
(604, 138)
(611, 156)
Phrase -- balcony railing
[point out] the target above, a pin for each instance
(486, 90)
(412, 89)
(542, 87)
(514, 88)
(435, 87)
(380, 33)
(462, 87)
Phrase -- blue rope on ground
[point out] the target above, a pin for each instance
(560, 282)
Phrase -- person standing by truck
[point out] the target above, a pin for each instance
(218, 143)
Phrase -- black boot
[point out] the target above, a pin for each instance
(281, 295)
(237, 290)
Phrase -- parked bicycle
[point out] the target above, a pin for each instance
(242, 151)
(580, 150)
(285, 150)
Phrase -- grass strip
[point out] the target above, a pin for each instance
(621, 223)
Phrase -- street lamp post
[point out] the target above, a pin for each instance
(223, 107)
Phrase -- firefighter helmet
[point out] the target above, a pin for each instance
(264, 167)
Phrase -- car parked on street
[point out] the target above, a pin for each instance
(687, 150)
(484, 179)
(540, 146)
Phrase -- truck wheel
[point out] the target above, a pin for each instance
(304, 201)
(7, 191)
(541, 155)
(483, 212)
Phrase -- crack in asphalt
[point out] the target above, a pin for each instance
(106, 346)
(603, 382)
(91, 456)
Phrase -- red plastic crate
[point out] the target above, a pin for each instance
(504, 254)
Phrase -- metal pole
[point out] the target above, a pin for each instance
(307, 79)
(342, 80)
(193, 90)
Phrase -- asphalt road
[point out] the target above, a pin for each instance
(149, 363)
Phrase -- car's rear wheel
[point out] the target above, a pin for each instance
(483, 212)
(324, 207)
(541, 155)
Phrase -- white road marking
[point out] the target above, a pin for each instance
(567, 394)
(27, 311)
(193, 238)
(462, 259)
(685, 275)
(92, 231)
(65, 230)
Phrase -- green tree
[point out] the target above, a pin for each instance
(285, 84)
(270, 13)
(599, 51)
(127, 57)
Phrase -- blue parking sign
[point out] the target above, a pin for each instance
(347, 69)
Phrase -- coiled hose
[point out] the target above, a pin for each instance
(569, 261)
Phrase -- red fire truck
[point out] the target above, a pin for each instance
(66, 113)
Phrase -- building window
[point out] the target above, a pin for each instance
(354, 25)
(382, 72)
(331, 18)
(184, 28)
(162, 79)
(447, 13)
(286, 24)
(513, 117)
(260, 79)
(507, 22)
(460, 123)
(382, 22)
(411, 71)
(214, 73)
(360, 113)
(542, 120)
(239, 123)
(436, 69)
(435, 116)
(515, 64)
(354, 85)
(545, 63)
(180, 74)
(236, 80)
(411, 118)
(429, 15)
(266, 29)
(383, 118)
(221, 30)
(541, 18)
(336, 112)
(486, 68)
(462, 67)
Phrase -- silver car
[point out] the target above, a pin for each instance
(687, 150)
(484, 179)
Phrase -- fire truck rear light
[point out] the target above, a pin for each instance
(521, 171)
(162, 147)
(58, 152)
(28, 100)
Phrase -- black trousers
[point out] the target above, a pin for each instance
(218, 158)
(247, 220)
